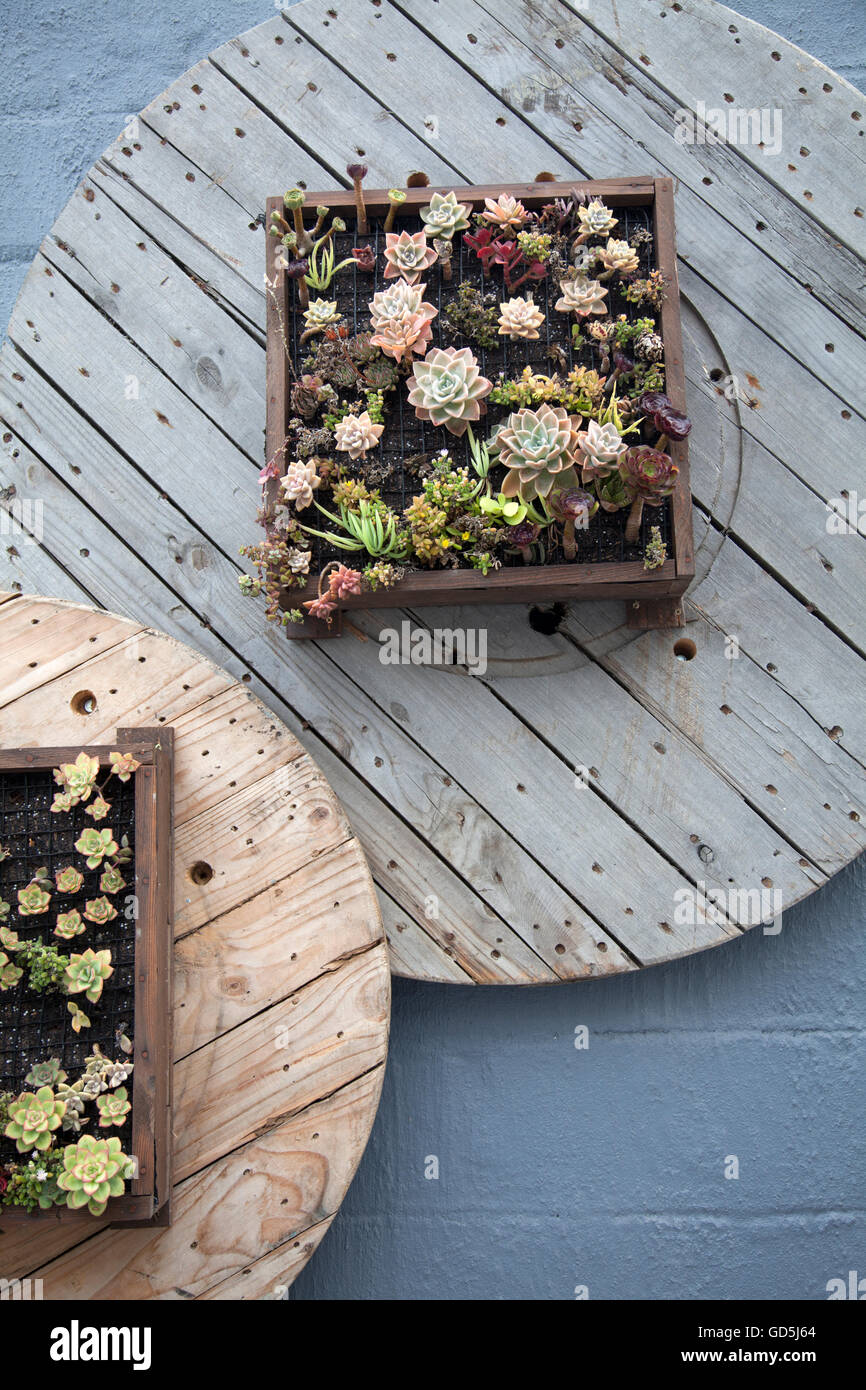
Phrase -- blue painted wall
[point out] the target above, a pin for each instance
(556, 1167)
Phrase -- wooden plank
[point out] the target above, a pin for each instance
(236, 965)
(137, 407)
(312, 1165)
(335, 707)
(793, 646)
(714, 246)
(757, 737)
(208, 356)
(415, 954)
(491, 753)
(51, 641)
(711, 52)
(327, 1034)
(271, 1277)
(593, 722)
(263, 1203)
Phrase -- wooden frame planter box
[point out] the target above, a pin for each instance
(652, 597)
(137, 997)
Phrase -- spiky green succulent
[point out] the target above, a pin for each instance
(93, 1171)
(86, 973)
(96, 845)
(33, 1117)
(113, 1107)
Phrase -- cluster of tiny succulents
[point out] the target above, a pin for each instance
(577, 441)
(45, 1159)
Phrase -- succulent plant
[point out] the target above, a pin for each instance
(364, 258)
(113, 1107)
(505, 213)
(9, 974)
(594, 218)
(319, 315)
(520, 318)
(407, 254)
(445, 251)
(68, 925)
(356, 434)
(403, 338)
(299, 483)
(47, 1073)
(509, 510)
(618, 256)
(100, 911)
(538, 449)
(123, 765)
(522, 537)
(98, 808)
(581, 296)
(400, 301)
(611, 493)
(396, 199)
(93, 1171)
(600, 446)
(574, 508)
(96, 845)
(86, 973)
(79, 1017)
(656, 551)
(33, 1117)
(447, 388)
(33, 900)
(73, 1116)
(649, 477)
(443, 215)
(111, 881)
(68, 880)
(650, 346)
(78, 778)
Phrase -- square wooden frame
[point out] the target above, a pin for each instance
(653, 598)
(147, 1200)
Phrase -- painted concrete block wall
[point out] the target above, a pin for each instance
(505, 1162)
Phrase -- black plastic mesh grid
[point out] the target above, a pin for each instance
(37, 1026)
(406, 437)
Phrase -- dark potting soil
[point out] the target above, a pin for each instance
(407, 441)
(35, 1027)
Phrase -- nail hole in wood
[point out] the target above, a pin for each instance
(201, 872)
(83, 702)
(685, 649)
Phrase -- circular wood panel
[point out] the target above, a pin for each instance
(281, 981)
(558, 816)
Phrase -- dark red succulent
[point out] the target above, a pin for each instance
(574, 507)
(365, 259)
(673, 423)
(652, 401)
(649, 476)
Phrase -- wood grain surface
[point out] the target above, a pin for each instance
(281, 979)
(540, 821)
